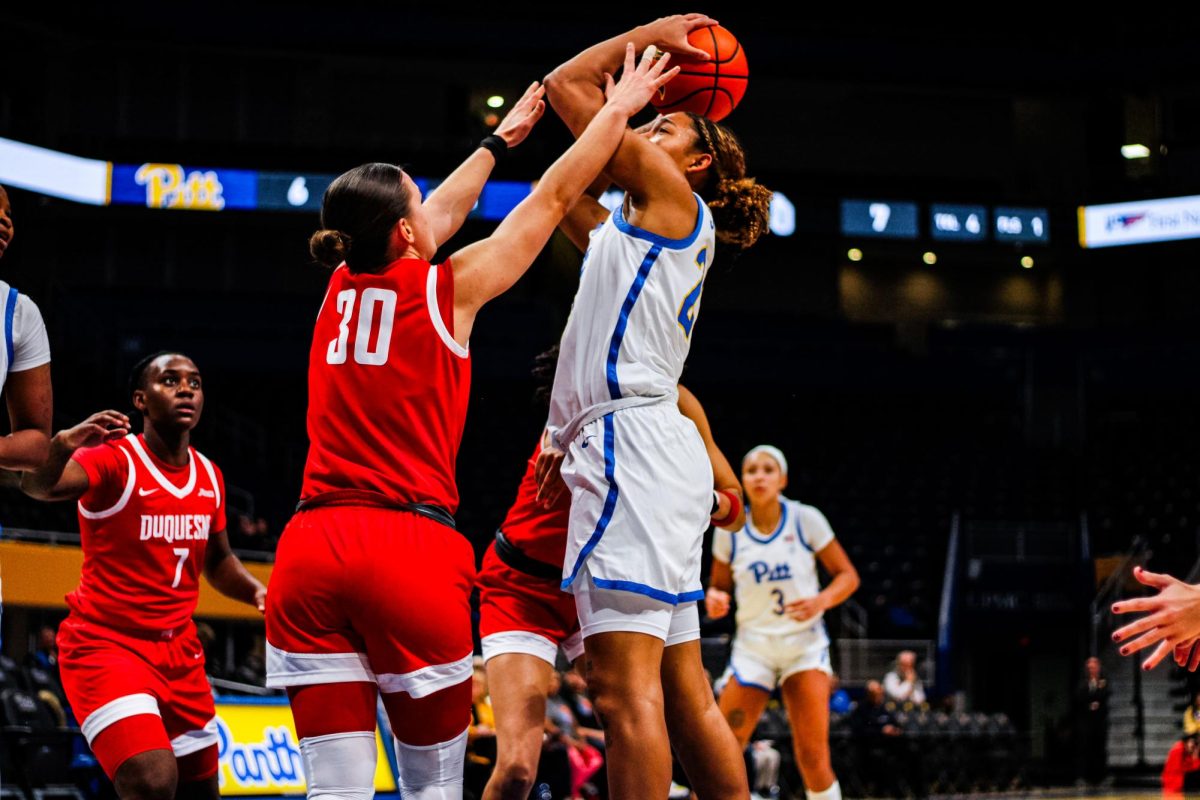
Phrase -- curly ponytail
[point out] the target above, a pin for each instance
(358, 212)
(740, 205)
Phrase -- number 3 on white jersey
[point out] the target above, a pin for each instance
(364, 353)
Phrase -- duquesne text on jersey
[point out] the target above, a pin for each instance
(176, 527)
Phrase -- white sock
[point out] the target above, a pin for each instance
(340, 766)
(834, 792)
(432, 772)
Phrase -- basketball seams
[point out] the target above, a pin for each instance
(695, 92)
(697, 84)
(716, 71)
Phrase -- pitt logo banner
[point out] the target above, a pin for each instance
(258, 752)
(176, 186)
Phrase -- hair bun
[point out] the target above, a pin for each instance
(329, 247)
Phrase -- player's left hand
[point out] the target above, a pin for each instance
(547, 471)
(524, 114)
(1171, 621)
(260, 599)
(805, 608)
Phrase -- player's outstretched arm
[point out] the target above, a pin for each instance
(638, 166)
(489, 267)
(575, 89)
(60, 478)
(229, 576)
(725, 480)
(449, 204)
(30, 411)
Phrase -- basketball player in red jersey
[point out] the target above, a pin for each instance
(152, 516)
(525, 617)
(371, 586)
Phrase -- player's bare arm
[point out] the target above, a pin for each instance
(30, 401)
(844, 581)
(586, 214)
(489, 267)
(724, 478)
(60, 478)
(449, 204)
(229, 576)
(639, 166)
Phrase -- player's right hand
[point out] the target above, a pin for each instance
(638, 81)
(716, 603)
(101, 427)
(671, 34)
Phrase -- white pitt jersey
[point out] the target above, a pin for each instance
(773, 569)
(23, 341)
(630, 327)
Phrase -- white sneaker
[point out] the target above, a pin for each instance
(678, 792)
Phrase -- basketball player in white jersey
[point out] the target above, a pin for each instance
(24, 368)
(781, 639)
(637, 470)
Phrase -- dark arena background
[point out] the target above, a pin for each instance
(974, 331)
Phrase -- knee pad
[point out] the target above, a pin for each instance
(340, 766)
(432, 772)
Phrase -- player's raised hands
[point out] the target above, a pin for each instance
(1171, 621)
(101, 427)
(671, 34)
(524, 114)
(638, 81)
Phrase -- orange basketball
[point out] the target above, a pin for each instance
(711, 88)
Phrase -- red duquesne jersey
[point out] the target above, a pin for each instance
(387, 386)
(144, 525)
(540, 533)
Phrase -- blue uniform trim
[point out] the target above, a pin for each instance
(800, 534)
(745, 682)
(732, 546)
(783, 520)
(250, 700)
(9, 310)
(625, 227)
(649, 591)
(610, 501)
(614, 347)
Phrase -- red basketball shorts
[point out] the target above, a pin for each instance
(133, 694)
(520, 613)
(370, 594)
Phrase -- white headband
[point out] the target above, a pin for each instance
(773, 452)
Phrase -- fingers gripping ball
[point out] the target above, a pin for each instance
(712, 88)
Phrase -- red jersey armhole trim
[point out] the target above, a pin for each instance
(435, 312)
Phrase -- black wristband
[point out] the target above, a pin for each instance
(496, 145)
